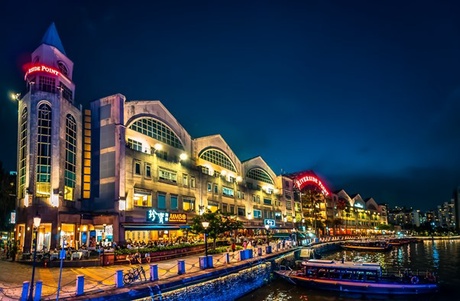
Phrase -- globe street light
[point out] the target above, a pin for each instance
(37, 221)
(205, 225)
(267, 227)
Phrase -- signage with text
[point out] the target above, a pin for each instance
(166, 217)
(270, 222)
(41, 68)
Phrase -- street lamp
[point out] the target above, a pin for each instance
(267, 227)
(37, 220)
(205, 225)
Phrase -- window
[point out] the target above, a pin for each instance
(135, 145)
(216, 189)
(188, 205)
(192, 182)
(157, 130)
(22, 152)
(205, 170)
(288, 205)
(232, 209)
(224, 208)
(185, 180)
(167, 175)
(70, 176)
(267, 202)
(142, 198)
(260, 175)
(227, 191)
(241, 211)
(219, 158)
(161, 201)
(137, 168)
(254, 198)
(213, 206)
(43, 165)
(257, 213)
(258, 199)
(148, 171)
(47, 84)
(209, 187)
(174, 204)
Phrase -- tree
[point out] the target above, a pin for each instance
(219, 223)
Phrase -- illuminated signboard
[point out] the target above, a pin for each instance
(41, 68)
(166, 217)
(359, 205)
(270, 222)
(310, 179)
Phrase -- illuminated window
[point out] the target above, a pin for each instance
(260, 175)
(218, 157)
(257, 213)
(134, 145)
(188, 205)
(227, 191)
(43, 167)
(70, 157)
(22, 152)
(157, 130)
(167, 175)
(209, 187)
(142, 198)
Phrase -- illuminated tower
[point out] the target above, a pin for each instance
(49, 145)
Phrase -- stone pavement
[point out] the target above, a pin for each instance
(101, 280)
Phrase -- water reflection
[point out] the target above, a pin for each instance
(442, 257)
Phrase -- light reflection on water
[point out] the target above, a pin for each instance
(441, 256)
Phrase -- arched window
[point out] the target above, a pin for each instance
(43, 166)
(218, 157)
(22, 152)
(157, 130)
(70, 157)
(260, 175)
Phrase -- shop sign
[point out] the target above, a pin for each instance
(270, 222)
(166, 217)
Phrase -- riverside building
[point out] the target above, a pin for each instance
(126, 170)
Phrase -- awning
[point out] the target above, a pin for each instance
(143, 226)
(281, 235)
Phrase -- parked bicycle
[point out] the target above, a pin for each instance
(134, 274)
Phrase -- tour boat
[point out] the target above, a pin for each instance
(352, 277)
(367, 245)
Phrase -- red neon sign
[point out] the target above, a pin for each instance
(41, 68)
(306, 179)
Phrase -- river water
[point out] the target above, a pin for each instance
(441, 256)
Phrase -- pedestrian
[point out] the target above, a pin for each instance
(233, 247)
(245, 244)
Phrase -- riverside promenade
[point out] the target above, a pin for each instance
(100, 282)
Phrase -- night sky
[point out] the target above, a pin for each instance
(365, 93)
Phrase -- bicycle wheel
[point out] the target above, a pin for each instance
(128, 278)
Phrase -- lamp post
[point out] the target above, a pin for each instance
(267, 227)
(205, 225)
(37, 221)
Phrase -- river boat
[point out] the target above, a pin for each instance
(352, 277)
(367, 245)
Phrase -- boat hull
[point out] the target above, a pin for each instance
(360, 287)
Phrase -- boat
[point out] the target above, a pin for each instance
(367, 245)
(363, 277)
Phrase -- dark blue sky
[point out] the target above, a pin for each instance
(365, 93)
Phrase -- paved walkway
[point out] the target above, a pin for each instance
(100, 280)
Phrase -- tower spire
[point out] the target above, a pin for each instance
(51, 38)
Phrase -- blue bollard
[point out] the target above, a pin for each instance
(153, 272)
(203, 262)
(119, 279)
(242, 254)
(80, 285)
(248, 253)
(269, 250)
(181, 267)
(227, 257)
(209, 261)
(259, 249)
(38, 290)
(25, 290)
